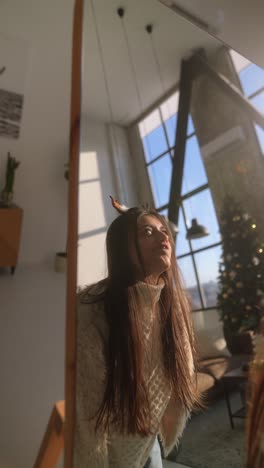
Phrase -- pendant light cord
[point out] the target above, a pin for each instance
(149, 29)
(119, 180)
(102, 63)
(121, 13)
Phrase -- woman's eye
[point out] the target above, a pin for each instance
(148, 231)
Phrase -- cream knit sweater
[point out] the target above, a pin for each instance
(105, 450)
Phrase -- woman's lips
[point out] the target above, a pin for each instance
(163, 248)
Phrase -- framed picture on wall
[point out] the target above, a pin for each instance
(13, 68)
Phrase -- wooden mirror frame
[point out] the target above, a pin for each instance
(72, 239)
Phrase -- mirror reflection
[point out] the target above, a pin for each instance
(134, 95)
(168, 122)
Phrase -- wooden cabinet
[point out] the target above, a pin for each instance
(10, 232)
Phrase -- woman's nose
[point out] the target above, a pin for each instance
(163, 235)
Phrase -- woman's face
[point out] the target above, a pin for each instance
(154, 246)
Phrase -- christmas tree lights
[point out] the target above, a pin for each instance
(241, 270)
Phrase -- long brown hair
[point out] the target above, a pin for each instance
(126, 401)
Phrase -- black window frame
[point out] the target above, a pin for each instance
(192, 252)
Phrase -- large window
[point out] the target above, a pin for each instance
(252, 82)
(198, 259)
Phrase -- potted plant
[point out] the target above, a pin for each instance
(8, 191)
(61, 257)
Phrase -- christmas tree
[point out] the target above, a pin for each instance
(241, 270)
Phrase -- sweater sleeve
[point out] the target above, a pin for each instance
(90, 447)
(172, 425)
(175, 416)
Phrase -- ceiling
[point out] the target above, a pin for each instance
(173, 38)
(238, 23)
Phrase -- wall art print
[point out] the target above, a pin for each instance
(10, 113)
(13, 68)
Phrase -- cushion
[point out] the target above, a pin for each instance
(209, 336)
(204, 381)
(218, 366)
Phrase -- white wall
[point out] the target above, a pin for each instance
(38, 42)
(105, 169)
(31, 359)
(45, 30)
(143, 187)
(208, 332)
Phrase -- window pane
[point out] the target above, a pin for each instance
(171, 128)
(155, 143)
(182, 245)
(201, 206)
(160, 177)
(239, 61)
(187, 270)
(260, 135)
(258, 102)
(207, 263)
(252, 78)
(170, 106)
(194, 174)
(150, 122)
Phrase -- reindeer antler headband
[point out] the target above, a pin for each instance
(120, 208)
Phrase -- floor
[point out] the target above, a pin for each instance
(168, 464)
(32, 342)
(208, 440)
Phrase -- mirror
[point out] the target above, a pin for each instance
(131, 101)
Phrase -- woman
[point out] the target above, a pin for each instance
(135, 353)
